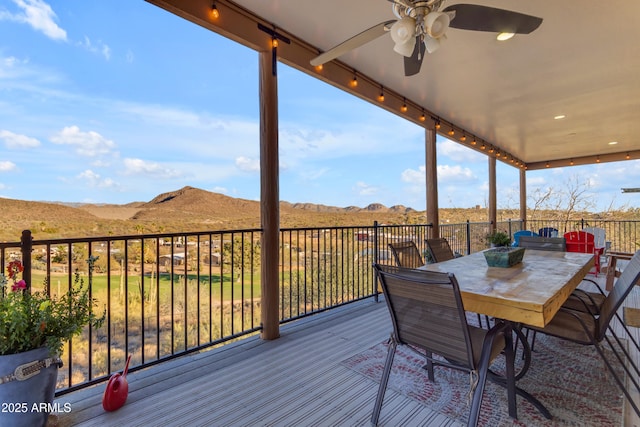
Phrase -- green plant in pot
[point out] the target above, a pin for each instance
(33, 328)
(498, 238)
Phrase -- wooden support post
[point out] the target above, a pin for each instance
(492, 193)
(269, 197)
(523, 198)
(431, 176)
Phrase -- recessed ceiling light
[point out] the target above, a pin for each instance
(613, 142)
(559, 117)
(504, 36)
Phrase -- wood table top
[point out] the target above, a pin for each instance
(530, 292)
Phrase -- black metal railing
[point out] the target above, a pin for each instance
(169, 294)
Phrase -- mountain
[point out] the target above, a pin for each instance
(186, 209)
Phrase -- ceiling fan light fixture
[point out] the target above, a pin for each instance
(403, 35)
(433, 44)
(436, 24)
(504, 36)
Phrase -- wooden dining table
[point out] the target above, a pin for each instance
(530, 292)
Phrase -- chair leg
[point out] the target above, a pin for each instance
(383, 382)
(616, 378)
(429, 366)
(623, 362)
(483, 370)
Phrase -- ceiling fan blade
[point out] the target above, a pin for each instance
(413, 63)
(356, 41)
(484, 18)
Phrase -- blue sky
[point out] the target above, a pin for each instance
(118, 101)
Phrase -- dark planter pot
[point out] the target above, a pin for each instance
(27, 403)
(504, 256)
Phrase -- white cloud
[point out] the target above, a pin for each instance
(98, 47)
(143, 167)
(413, 176)
(313, 173)
(459, 153)
(221, 190)
(90, 144)
(446, 174)
(95, 180)
(13, 140)
(38, 15)
(248, 165)
(455, 173)
(6, 166)
(364, 189)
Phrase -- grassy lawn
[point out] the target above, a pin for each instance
(223, 288)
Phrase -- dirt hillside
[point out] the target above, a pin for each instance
(193, 209)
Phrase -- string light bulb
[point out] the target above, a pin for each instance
(215, 13)
(319, 67)
(598, 159)
(404, 107)
(473, 142)
(452, 132)
(627, 156)
(381, 96)
(354, 81)
(571, 162)
(274, 42)
(423, 117)
(463, 138)
(438, 125)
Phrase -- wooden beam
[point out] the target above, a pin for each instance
(585, 160)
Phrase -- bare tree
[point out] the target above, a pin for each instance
(572, 196)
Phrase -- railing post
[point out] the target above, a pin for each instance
(25, 248)
(375, 259)
(468, 237)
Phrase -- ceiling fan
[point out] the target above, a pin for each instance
(421, 26)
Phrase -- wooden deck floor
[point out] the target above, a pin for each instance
(296, 380)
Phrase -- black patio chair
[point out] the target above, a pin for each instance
(439, 249)
(588, 328)
(428, 316)
(406, 254)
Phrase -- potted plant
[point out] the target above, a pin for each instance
(502, 254)
(33, 328)
(498, 238)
